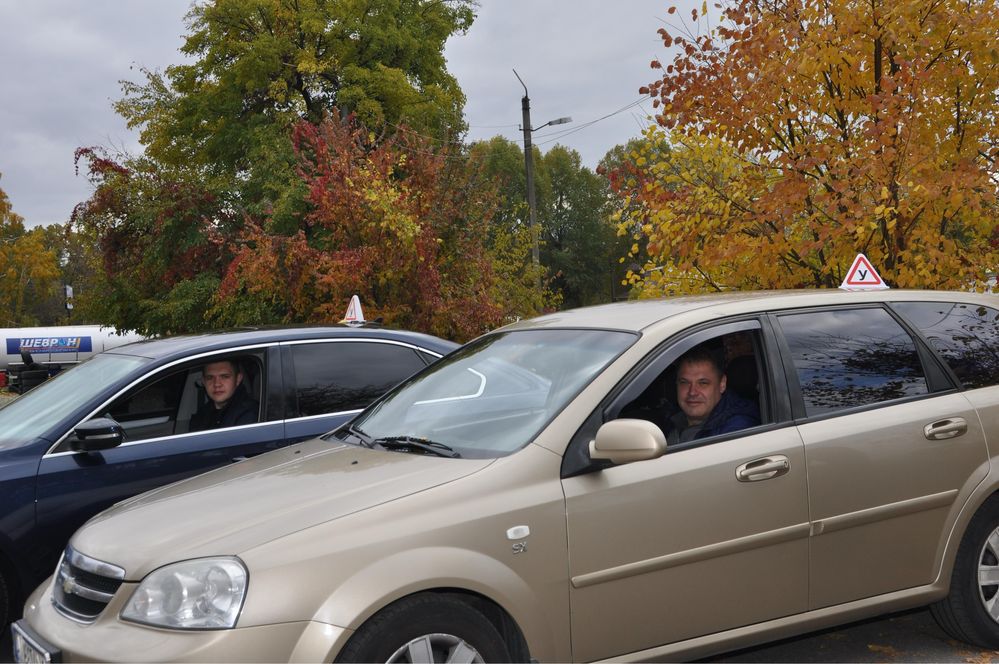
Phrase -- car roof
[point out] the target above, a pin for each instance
(168, 347)
(637, 315)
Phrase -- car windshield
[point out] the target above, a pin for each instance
(25, 418)
(491, 397)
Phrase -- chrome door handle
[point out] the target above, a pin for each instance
(763, 469)
(944, 429)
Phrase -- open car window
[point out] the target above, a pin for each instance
(742, 397)
(165, 405)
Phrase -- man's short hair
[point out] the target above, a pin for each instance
(237, 368)
(702, 354)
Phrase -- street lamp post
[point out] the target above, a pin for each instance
(525, 106)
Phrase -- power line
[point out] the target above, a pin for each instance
(550, 137)
(585, 125)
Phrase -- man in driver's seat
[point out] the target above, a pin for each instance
(706, 408)
(228, 404)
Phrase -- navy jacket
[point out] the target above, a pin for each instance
(241, 409)
(731, 413)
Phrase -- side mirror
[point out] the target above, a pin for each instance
(625, 440)
(100, 433)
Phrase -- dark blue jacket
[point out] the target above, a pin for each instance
(731, 413)
(241, 409)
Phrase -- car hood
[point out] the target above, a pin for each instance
(235, 508)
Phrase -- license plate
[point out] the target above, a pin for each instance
(28, 649)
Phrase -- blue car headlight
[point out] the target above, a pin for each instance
(205, 593)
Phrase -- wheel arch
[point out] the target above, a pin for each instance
(986, 490)
(499, 617)
(502, 595)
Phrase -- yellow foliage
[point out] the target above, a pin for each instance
(781, 155)
(24, 260)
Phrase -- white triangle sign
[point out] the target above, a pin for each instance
(862, 276)
(354, 315)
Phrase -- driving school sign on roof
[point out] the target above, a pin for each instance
(862, 276)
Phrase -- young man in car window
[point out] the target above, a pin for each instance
(706, 407)
(228, 404)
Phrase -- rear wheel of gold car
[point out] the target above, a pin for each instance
(971, 611)
(427, 628)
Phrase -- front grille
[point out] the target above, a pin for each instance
(83, 586)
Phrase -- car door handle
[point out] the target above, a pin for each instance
(763, 469)
(944, 429)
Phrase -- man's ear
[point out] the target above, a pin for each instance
(239, 378)
(724, 383)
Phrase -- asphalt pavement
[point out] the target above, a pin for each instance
(911, 636)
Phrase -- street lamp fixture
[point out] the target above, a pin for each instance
(525, 105)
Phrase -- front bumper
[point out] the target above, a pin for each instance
(109, 639)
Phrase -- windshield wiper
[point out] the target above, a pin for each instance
(362, 438)
(415, 442)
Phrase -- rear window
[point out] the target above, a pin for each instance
(337, 376)
(847, 358)
(965, 335)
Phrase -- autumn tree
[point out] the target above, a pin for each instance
(500, 164)
(578, 240)
(260, 66)
(27, 268)
(627, 210)
(391, 221)
(79, 264)
(219, 157)
(576, 237)
(795, 134)
(159, 234)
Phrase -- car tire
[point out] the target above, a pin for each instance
(427, 628)
(970, 613)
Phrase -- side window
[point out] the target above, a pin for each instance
(965, 335)
(178, 401)
(348, 375)
(151, 411)
(711, 389)
(850, 358)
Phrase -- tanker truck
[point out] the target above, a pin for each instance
(29, 354)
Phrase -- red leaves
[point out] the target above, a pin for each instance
(385, 223)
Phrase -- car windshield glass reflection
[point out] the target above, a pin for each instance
(28, 416)
(493, 396)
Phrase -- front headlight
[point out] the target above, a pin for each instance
(196, 594)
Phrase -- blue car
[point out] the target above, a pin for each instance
(121, 423)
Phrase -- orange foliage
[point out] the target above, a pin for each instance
(795, 134)
(392, 222)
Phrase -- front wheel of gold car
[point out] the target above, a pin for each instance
(970, 612)
(427, 628)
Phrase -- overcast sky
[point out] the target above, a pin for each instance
(61, 60)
